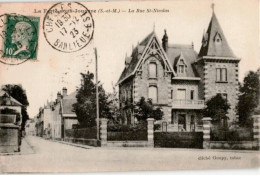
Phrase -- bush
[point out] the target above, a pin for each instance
(126, 128)
(157, 127)
(86, 133)
(238, 134)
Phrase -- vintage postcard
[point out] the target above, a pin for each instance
(94, 86)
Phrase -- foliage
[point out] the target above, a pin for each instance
(157, 127)
(121, 132)
(217, 108)
(248, 98)
(145, 109)
(127, 136)
(85, 108)
(114, 109)
(238, 134)
(86, 133)
(18, 93)
(127, 128)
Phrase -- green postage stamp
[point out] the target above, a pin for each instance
(21, 37)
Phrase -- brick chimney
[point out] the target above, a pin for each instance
(58, 97)
(165, 41)
(64, 92)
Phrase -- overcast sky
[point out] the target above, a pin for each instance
(115, 34)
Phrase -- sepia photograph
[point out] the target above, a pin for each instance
(118, 86)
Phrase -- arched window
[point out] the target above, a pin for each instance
(152, 70)
(152, 94)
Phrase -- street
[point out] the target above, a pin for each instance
(50, 156)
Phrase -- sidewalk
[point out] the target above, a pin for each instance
(25, 148)
(73, 144)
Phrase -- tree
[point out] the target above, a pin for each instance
(85, 107)
(114, 106)
(18, 93)
(248, 98)
(145, 109)
(217, 108)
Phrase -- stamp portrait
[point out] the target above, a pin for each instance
(21, 37)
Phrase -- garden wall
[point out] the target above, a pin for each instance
(85, 136)
(239, 145)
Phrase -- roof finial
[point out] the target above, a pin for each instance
(192, 45)
(153, 26)
(212, 6)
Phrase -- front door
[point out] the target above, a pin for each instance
(182, 122)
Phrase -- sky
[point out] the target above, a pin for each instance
(116, 34)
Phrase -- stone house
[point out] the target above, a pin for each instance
(10, 126)
(58, 115)
(178, 79)
(7, 101)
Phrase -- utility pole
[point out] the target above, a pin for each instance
(97, 96)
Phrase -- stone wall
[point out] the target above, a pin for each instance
(230, 87)
(9, 135)
(162, 82)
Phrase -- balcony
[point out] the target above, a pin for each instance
(187, 104)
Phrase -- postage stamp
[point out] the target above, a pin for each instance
(68, 27)
(19, 38)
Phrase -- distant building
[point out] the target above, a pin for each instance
(30, 128)
(58, 116)
(180, 80)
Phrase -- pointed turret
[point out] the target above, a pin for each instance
(214, 42)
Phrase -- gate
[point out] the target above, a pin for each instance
(178, 139)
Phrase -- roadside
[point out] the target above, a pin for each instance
(26, 149)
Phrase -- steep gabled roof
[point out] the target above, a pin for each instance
(7, 100)
(135, 57)
(137, 54)
(67, 104)
(209, 46)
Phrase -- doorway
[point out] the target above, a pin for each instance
(182, 122)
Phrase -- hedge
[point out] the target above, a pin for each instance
(86, 133)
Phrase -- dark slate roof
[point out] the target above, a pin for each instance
(67, 103)
(210, 49)
(135, 56)
(7, 100)
(189, 54)
(173, 54)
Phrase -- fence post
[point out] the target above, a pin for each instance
(206, 132)
(256, 131)
(150, 125)
(103, 132)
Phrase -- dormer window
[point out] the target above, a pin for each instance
(181, 67)
(217, 38)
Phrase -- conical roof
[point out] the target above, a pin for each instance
(214, 42)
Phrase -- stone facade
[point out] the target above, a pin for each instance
(179, 79)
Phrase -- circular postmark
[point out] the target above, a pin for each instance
(68, 26)
(18, 38)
